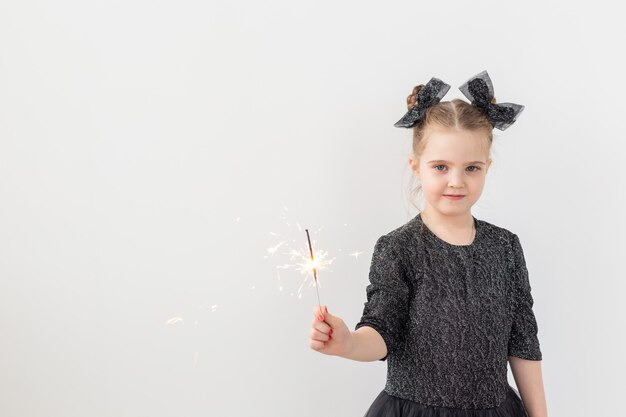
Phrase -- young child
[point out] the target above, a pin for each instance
(449, 300)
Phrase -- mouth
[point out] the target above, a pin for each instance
(454, 196)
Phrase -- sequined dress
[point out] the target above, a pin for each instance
(450, 316)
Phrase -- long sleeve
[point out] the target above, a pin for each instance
(523, 340)
(387, 305)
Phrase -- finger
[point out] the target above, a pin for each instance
(332, 320)
(316, 345)
(317, 322)
(322, 327)
(322, 337)
(318, 312)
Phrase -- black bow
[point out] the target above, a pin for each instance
(479, 90)
(430, 94)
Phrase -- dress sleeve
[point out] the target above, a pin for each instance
(523, 340)
(386, 308)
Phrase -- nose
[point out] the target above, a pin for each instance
(455, 180)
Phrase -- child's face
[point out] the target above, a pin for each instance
(454, 163)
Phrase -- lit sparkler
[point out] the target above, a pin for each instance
(300, 257)
(313, 267)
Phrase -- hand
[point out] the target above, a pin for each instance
(329, 334)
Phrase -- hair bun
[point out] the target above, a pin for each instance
(411, 100)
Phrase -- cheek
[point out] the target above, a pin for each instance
(478, 183)
(434, 182)
(478, 178)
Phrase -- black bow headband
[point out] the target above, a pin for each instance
(430, 94)
(478, 89)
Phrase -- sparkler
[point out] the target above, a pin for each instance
(314, 269)
(301, 258)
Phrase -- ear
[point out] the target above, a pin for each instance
(414, 163)
(489, 161)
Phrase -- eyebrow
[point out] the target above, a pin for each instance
(473, 162)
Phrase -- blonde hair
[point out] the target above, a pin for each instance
(455, 114)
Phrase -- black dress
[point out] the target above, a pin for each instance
(450, 316)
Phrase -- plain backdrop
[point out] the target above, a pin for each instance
(160, 162)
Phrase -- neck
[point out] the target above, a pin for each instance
(461, 221)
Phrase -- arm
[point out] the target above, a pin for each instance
(366, 345)
(529, 381)
(385, 313)
(382, 325)
(331, 336)
(524, 350)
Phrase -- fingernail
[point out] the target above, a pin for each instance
(320, 318)
(329, 337)
(330, 331)
(325, 309)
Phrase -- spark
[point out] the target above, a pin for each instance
(288, 255)
(355, 254)
(175, 320)
(280, 287)
(272, 249)
(306, 265)
(301, 285)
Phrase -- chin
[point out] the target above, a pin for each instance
(450, 209)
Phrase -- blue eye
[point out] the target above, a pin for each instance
(476, 168)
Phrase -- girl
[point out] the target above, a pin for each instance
(449, 300)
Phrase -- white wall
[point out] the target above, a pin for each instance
(152, 151)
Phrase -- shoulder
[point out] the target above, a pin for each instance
(501, 237)
(401, 243)
(400, 237)
(397, 246)
(497, 233)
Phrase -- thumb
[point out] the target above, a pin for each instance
(332, 320)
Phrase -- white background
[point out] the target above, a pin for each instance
(152, 151)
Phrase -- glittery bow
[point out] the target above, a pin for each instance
(430, 94)
(479, 90)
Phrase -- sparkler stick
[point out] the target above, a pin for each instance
(314, 269)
